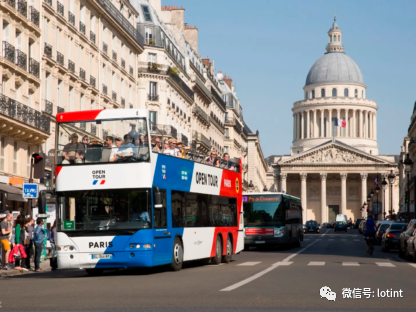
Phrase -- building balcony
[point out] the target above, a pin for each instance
(71, 18)
(82, 74)
(215, 119)
(183, 138)
(48, 107)
(9, 52)
(92, 81)
(23, 122)
(92, 37)
(34, 67)
(200, 113)
(34, 15)
(181, 84)
(104, 89)
(71, 66)
(22, 7)
(218, 98)
(232, 121)
(60, 58)
(168, 130)
(153, 97)
(202, 142)
(48, 50)
(60, 110)
(82, 28)
(59, 8)
(155, 68)
(114, 56)
(21, 60)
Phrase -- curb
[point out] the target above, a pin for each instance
(44, 266)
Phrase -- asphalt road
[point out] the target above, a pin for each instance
(256, 280)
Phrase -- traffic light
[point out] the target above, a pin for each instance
(406, 196)
(39, 165)
(368, 209)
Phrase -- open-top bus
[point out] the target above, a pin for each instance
(122, 205)
(272, 219)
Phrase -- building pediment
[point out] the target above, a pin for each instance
(333, 153)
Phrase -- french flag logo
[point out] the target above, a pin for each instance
(95, 182)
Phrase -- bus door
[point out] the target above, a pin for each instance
(162, 243)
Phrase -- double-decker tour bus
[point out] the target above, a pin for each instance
(121, 205)
(273, 219)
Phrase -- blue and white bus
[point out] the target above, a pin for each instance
(121, 205)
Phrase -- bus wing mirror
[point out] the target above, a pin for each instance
(158, 200)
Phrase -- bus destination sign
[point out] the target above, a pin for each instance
(262, 199)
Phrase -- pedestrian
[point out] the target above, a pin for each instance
(38, 238)
(53, 244)
(5, 229)
(19, 240)
(29, 243)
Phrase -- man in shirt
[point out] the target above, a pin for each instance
(226, 160)
(5, 229)
(156, 148)
(125, 150)
(74, 151)
(114, 149)
(38, 238)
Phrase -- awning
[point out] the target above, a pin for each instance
(16, 197)
(10, 189)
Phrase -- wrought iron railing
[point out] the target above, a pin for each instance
(48, 107)
(184, 139)
(34, 15)
(60, 110)
(149, 67)
(83, 125)
(82, 27)
(59, 8)
(71, 18)
(198, 136)
(123, 102)
(217, 120)
(60, 58)
(201, 113)
(181, 83)
(12, 3)
(22, 7)
(153, 97)
(92, 81)
(218, 97)
(168, 130)
(114, 56)
(93, 129)
(114, 96)
(48, 2)
(48, 50)
(92, 36)
(23, 113)
(34, 67)
(105, 47)
(21, 59)
(131, 70)
(123, 63)
(71, 66)
(104, 89)
(9, 51)
(82, 74)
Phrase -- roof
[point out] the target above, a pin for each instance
(335, 25)
(334, 67)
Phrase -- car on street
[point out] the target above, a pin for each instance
(324, 225)
(381, 227)
(340, 226)
(357, 223)
(312, 226)
(404, 237)
(391, 237)
(410, 252)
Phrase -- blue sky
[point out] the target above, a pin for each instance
(268, 46)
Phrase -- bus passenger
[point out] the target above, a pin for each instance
(73, 151)
(229, 165)
(156, 145)
(114, 149)
(182, 148)
(212, 160)
(125, 150)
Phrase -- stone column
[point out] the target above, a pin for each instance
(343, 193)
(303, 197)
(360, 123)
(375, 126)
(338, 128)
(322, 122)
(324, 214)
(315, 123)
(283, 177)
(370, 125)
(354, 121)
(329, 129)
(364, 190)
(302, 125)
(294, 127)
(308, 124)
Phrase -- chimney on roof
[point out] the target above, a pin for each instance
(228, 81)
(191, 35)
(178, 17)
(220, 76)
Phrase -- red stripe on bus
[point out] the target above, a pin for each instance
(78, 116)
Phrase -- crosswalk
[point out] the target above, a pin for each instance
(323, 263)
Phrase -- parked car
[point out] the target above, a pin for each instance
(304, 228)
(391, 237)
(340, 226)
(380, 229)
(324, 225)
(362, 227)
(404, 236)
(410, 252)
(312, 226)
(357, 223)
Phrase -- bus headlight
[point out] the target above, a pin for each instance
(65, 248)
(279, 232)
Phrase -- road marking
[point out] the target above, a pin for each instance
(248, 263)
(350, 264)
(386, 264)
(412, 264)
(316, 263)
(284, 262)
(324, 233)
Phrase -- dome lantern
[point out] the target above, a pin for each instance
(335, 38)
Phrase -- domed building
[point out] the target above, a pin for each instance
(334, 162)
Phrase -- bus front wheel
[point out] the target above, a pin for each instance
(218, 251)
(177, 256)
(229, 252)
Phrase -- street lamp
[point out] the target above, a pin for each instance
(408, 167)
(384, 187)
(391, 178)
(372, 201)
(377, 189)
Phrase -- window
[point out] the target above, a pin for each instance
(48, 86)
(6, 31)
(313, 94)
(71, 99)
(153, 118)
(160, 213)
(152, 88)
(356, 93)
(152, 57)
(362, 94)
(29, 157)
(345, 92)
(201, 210)
(82, 105)
(334, 92)
(15, 151)
(323, 93)
(60, 92)
(149, 35)
(2, 150)
(330, 38)
(339, 38)
(146, 13)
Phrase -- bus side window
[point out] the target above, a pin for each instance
(160, 214)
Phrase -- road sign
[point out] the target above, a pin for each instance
(30, 190)
(69, 225)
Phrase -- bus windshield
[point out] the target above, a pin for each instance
(102, 141)
(267, 210)
(104, 210)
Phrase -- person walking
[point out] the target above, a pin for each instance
(19, 240)
(5, 230)
(29, 243)
(38, 238)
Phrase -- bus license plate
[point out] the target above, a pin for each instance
(259, 242)
(102, 256)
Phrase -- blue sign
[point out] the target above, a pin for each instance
(30, 190)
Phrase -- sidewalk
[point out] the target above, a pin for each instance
(43, 265)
